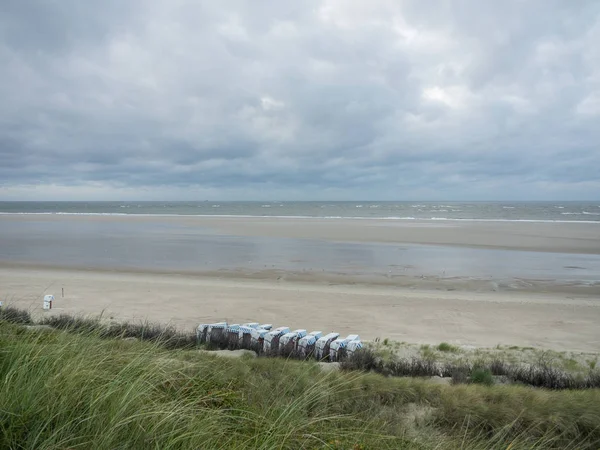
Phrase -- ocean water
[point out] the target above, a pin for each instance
(484, 211)
(165, 246)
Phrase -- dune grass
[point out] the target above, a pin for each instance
(11, 314)
(541, 373)
(445, 347)
(84, 390)
(544, 372)
(166, 336)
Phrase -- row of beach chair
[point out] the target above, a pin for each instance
(266, 340)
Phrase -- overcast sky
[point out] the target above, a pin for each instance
(333, 99)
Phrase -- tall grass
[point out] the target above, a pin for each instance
(541, 374)
(83, 390)
(167, 337)
(69, 391)
(15, 315)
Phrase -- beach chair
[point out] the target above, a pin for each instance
(306, 345)
(289, 341)
(251, 324)
(201, 332)
(245, 337)
(322, 345)
(258, 338)
(266, 326)
(233, 336)
(271, 342)
(352, 347)
(48, 300)
(337, 349)
(216, 333)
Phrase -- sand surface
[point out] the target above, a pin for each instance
(561, 237)
(535, 236)
(485, 319)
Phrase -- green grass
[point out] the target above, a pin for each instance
(445, 347)
(15, 315)
(428, 353)
(570, 364)
(541, 374)
(482, 376)
(83, 390)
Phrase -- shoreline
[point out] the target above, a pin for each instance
(293, 217)
(482, 319)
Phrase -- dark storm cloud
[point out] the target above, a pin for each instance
(333, 98)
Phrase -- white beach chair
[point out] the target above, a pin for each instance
(289, 341)
(258, 338)
(337, 349)
(201, 332)
(233, 333)
(48, 300)
(215, 334)
(245, 337)
(271, 342)
(306, 345)
(322, 345)
(353, 346)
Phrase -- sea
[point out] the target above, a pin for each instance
(469, 211)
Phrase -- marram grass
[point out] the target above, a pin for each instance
(67, 391)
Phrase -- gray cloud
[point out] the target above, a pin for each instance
(319, 99)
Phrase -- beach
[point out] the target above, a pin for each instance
(482, 319)
(468, 283)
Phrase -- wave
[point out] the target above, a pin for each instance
(65, 213)
(583, 213)
(390, 218)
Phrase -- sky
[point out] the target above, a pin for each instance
(301, 100)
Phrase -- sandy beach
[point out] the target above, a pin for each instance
(471, 283)
(467, 318)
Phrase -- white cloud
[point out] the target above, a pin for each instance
(270, 104)
(590, 105)
(455, 97)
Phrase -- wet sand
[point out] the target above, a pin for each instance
(483, 319)
(559, 237)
